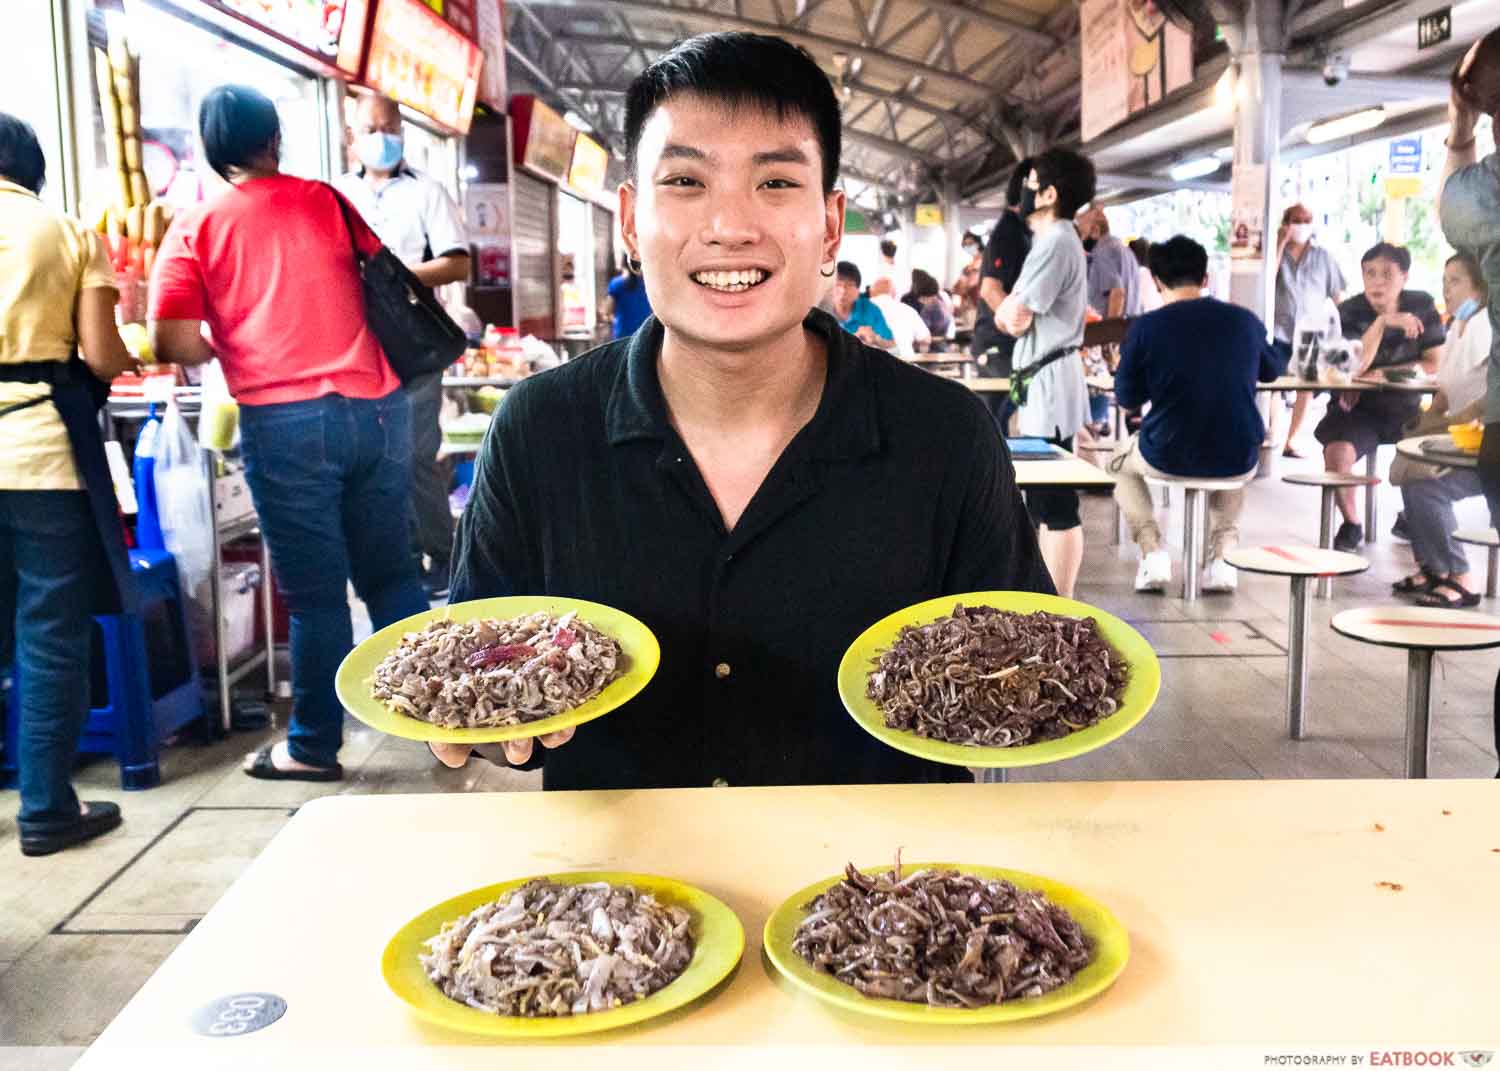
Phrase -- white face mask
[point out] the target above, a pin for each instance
(1301, 233)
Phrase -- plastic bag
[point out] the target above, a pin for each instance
(182, 503)
(219, 417)
(1316, 331)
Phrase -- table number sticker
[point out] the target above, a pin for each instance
(238, 1014)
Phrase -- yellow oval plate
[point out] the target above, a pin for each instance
(1140, 688)
(718, 944)
(642, 654)
(1111, 951)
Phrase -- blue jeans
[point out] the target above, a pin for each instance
(331, 481)
(49, 570)
(1431, 523)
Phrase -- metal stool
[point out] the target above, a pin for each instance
(1195, 521)
(1329, 482)
(1484, 537)
(1299, 564)
(1421, 630)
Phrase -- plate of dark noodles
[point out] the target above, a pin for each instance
(999, 679)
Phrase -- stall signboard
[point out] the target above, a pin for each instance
(1406, 156)
(929, 215)
(590, 164)
(332, 30)
(421, 61)
(489, 31)
(543, 140)
(1132, 58)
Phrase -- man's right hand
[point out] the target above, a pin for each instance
(1406, 323)
(517, 752)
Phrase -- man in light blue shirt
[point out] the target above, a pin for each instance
(857, 314)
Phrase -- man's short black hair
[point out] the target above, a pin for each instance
(238, 124)
(740, 69)
(887, 248)
(1071, 174)
(1179, 261)
(1398, 255)
(21, 159)
(847, 269)
(1017, 181)
(1140, 248)
(922, 284)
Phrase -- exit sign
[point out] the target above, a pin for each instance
(1434, 29)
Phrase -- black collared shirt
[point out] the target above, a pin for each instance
(898, 490)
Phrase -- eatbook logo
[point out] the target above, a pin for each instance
(1476, 1058)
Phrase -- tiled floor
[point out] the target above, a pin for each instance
(81, 930)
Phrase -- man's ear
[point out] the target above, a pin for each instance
(834, 206)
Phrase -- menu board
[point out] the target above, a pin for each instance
(333, 30)
(418, 59)
(543, 140)
(590, 162)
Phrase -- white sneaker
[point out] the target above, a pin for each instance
(1219, 575)
(1155, 572)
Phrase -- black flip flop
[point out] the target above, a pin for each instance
(266, 770)
(1413, 585)
(1466, 599)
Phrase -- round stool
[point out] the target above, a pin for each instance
(1299, 564)
(1421, 631)
(1194, 521)
(1484, 537)
(1329, 482)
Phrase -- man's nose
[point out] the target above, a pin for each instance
(732, 220)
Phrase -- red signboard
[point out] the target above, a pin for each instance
(489, 26)
(332, 30)
(543, 141)
(418, 59)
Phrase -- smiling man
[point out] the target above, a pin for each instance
(749, 480)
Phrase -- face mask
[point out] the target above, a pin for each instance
(379, 151)
(1301, 233)
(1028, 202)
(1089, 243)
(1467, 309)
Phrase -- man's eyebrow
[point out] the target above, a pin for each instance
(788, 155)
(675, 151)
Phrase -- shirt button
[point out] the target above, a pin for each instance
(722, 670)
(719, 782)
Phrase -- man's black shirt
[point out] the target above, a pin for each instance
(898, 490)
(1004, 254)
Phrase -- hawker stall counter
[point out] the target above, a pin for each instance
(1280, 916)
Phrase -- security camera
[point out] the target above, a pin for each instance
(1335, 69)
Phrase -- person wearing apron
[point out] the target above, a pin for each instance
(62, 552)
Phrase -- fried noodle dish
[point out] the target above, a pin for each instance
(941, 938)
(548, 950)
(997, 678)
(489, 673)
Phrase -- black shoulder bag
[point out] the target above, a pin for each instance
(419, 338)
(1020, 379)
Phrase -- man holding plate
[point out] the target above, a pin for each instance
(749, 481)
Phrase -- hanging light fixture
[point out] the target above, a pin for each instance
(1345, 126)
(1195, 168)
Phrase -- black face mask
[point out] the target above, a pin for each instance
(1028, 202)
(1089, 243)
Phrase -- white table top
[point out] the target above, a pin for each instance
(1419, 626)
(1295, 561)
(982, 385)
(1068, 471)
(1255, 912)
(1297, 383)
(1484, 537)
(1458, 459)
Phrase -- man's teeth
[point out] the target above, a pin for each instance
(730, 280)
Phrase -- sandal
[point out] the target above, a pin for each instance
(1414, 585)
(1431, 598)
(267, 770)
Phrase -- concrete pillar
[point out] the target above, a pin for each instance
(1257, 142)
(953, 233)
